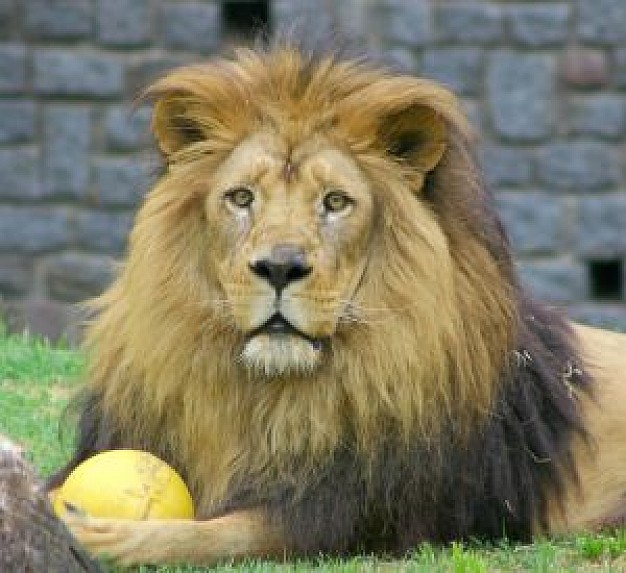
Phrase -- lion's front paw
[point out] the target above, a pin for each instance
(126, 542)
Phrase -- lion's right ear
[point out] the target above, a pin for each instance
(176, 123)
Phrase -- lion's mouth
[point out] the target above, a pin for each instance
(278, 325)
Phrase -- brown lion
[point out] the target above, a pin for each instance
(320, 326)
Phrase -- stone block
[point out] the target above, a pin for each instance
(556, 281)
(50, 319)
(191, 26)
(65, 72)
(601, 21)
(620, 67)
(103, 232)
(473, 110)
(127, 129)
(410, 23)
(7, 19)
(304, 21)
(539, 25)
(600, 227)
(584, 68)
(521, 94)
(460, 69)
(609, 316)
(66, 146)
(578, 166)
(19, 174)
(12, 68)
(145, 69)
(58, 19)
(17, 121)
(125, 23)
(120, 181)
(76, 277)
(602, 116)
(33, 229)
(16, 275)
(506, 166)
(402, 59)
(468, 22)
(536, 223)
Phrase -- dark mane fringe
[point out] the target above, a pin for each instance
(497, 486)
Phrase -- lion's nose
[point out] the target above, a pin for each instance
(284, 265)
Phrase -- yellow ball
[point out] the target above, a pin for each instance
(126, 484)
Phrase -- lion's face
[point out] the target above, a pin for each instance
(290, 229)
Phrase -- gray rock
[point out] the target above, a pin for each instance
(17, 121)
(12, 68)
(191, 26)
(103, 232)
(402, 59)
(506, 166)
(539, 25)
(146, 68)
(556, 281)
(460, 69)
(521, 92)
(410, 23)
(601, 226)
(620, 67)
(602, 116)
(127, 129)
(536, 223)
(585, 68)
(468, 22)
(53, 320)
(120, 182)
(601, 22)
(66, 146)
(33, 229)
(125, 23)
(16, 275)
(19, 174)
(58, 19)
(610, 316)
(75, 277)
(578, 166)
(65, 72)
(8, 23)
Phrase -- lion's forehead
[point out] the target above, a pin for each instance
(269, 161)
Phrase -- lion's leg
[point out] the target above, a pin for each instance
(234, 536)
(598, 499)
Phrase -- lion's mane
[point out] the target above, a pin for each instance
(434, 418)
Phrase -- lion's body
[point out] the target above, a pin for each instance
(598, 499)
(319, 324)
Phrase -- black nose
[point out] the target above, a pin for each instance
(284, 265)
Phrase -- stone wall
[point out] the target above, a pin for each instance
(544, 82)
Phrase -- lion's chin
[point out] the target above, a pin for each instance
(274, 355)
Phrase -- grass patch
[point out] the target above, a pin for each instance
(38, 379)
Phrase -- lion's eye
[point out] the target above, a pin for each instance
(336, 202)
(240, 197)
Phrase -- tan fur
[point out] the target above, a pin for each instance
(597, 500)
(170, 334)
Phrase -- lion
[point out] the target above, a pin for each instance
(320, 326)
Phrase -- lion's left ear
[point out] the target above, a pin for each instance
(417, 135)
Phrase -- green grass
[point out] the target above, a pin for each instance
(37, 381)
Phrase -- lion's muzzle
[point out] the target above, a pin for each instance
(286, 263)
